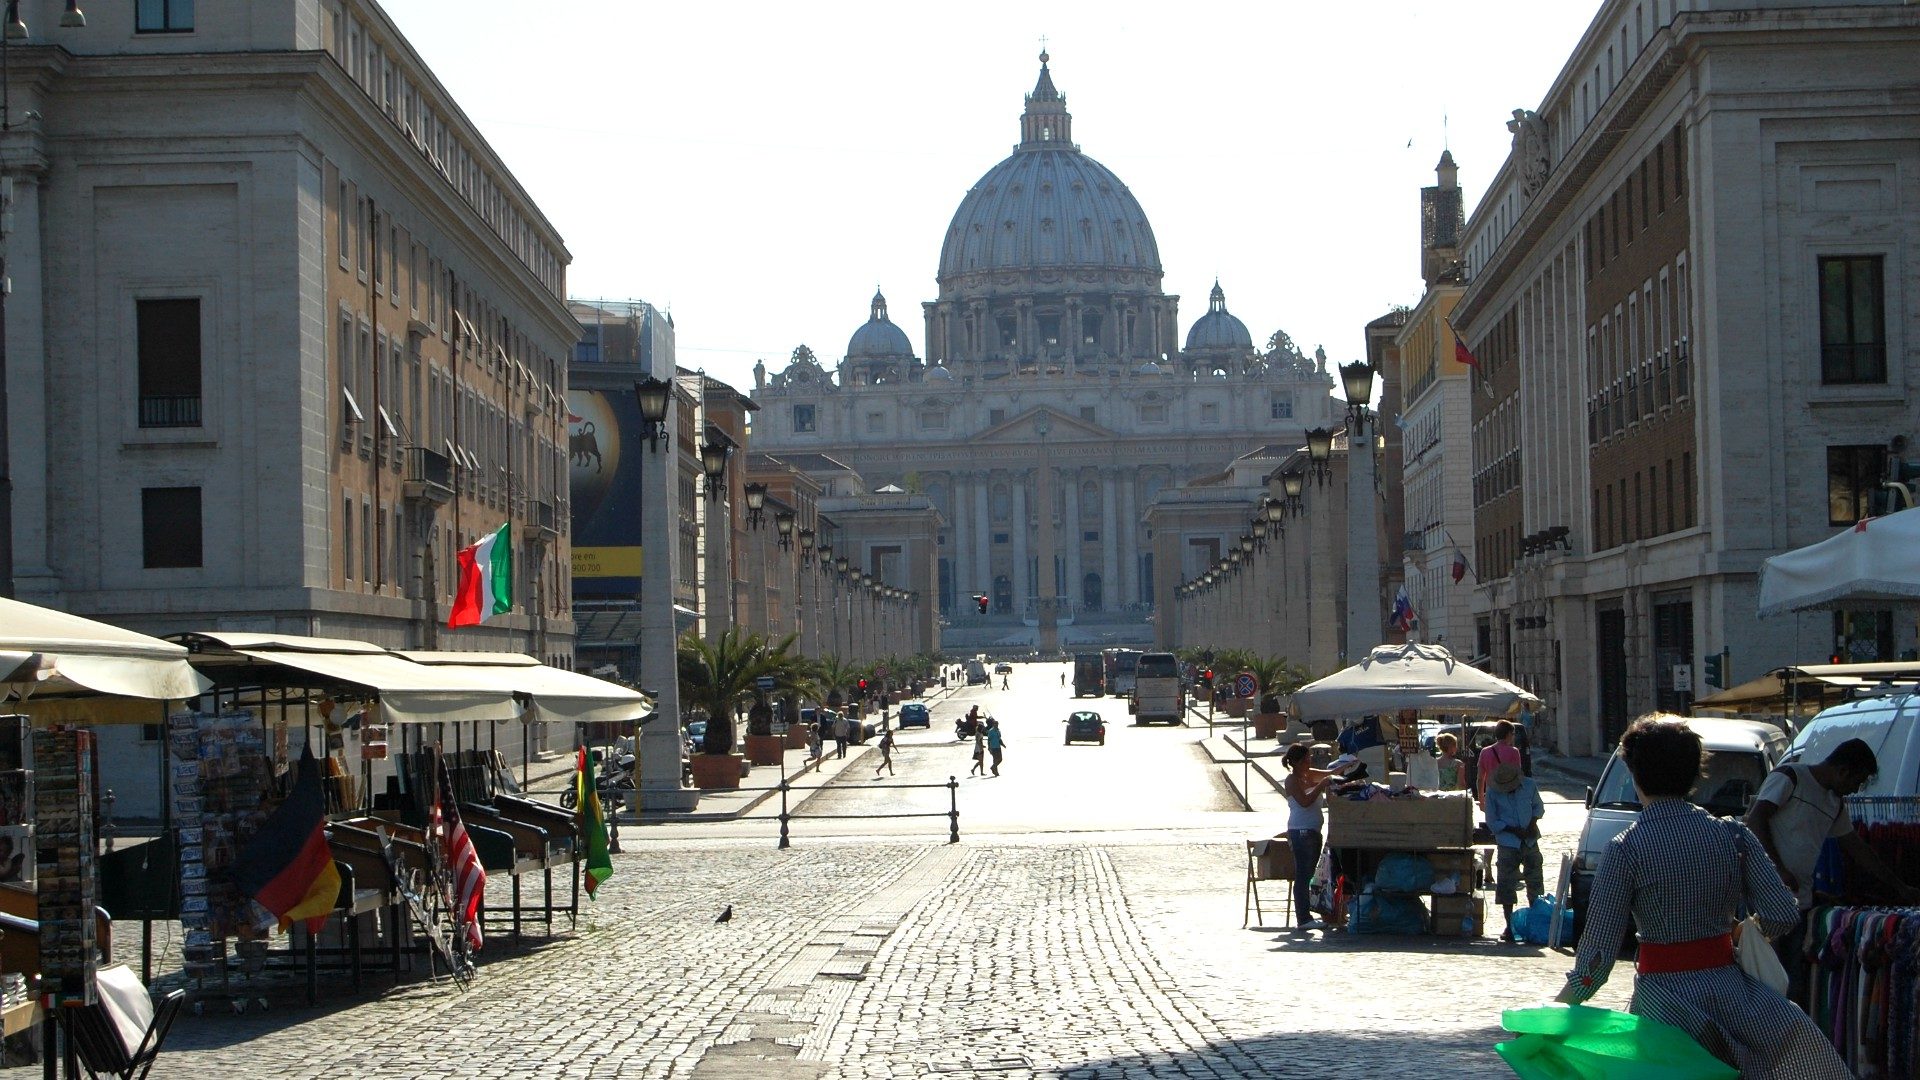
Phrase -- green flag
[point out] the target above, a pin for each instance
(593, 826)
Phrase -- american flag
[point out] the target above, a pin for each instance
(463, 863)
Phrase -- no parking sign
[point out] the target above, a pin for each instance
(1245, 685)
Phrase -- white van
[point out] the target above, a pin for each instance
(1740, 754)
(1886, 723)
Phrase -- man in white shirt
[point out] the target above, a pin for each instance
(1797, 810)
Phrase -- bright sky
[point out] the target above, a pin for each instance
(758, 169)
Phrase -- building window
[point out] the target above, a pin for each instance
(1853, 476)
(802, 418)
(163, 16)
(996, 416)
(1000, 538)
(1087, 413)
(1153, 414)
(934, 419)
(1853, 319)
(1281, 407)
(170, 527)
(1209, 413)
(1090, 536)
(346, 537)
(876, 422)
(169, 345)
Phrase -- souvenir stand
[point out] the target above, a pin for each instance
(1864, 955)
(1407, 856)
(67, 674)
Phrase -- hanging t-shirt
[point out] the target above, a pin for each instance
(1808, 814)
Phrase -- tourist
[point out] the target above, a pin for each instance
(1453, 771)
(1501, 751)
(1305, 788)
(1514, 810)
(1682, 876)
(996, 744)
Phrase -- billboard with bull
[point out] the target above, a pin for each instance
(604, 457)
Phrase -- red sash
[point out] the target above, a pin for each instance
(1699, 955)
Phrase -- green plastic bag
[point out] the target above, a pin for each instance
(1575, 1042)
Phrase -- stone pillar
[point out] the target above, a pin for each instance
(1129, 542)
(659, 670)
(1021, 588)
(1363, 548)
(1047, 589)
(1070, 333)
(1070, 532)
(983, 532)
(1109, 541)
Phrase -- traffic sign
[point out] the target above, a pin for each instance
(763, 683)
(1245, 685)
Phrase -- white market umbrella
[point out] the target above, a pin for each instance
(1876, 559)
(67, 656)
(1411, 676)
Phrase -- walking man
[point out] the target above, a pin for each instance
(840, 724)
(1500, 752)
(996, 743)
(886, 754)
(1514, 810)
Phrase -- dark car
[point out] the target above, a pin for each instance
(915, 714)
(1084, 726)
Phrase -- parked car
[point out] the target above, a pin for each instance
(915, 714)
(1887, 723)
(1003, 668)
(1086, 726)
(1740, 754)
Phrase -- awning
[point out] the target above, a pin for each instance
(1807, 687)
(1411, 676)
(1877, 560)
(556, 694)
(76, 657)
(408, 693)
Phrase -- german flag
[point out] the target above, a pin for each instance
(287, 867)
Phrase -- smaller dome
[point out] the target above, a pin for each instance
(1149, 368)
(1218, 329)
(879, 338)
(940, 372)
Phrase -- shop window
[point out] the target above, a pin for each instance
(1862, 637)
(1853, 476)
(168, 336)
(1853, 319)
(170, 527)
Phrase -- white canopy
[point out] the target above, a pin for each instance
(558, 694)
(1411, 676)
(409, 693)
(1876, 559)
(47, 653)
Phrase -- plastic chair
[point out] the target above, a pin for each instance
(1280, 857)
(96, 1038)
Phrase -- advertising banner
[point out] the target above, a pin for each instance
(605, 454)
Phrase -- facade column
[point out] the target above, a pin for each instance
(983, 533)
(1021, 588)
(1109, 542)
(1070, 333)
(1129, 543)
(1072, 532)
(659, 667)
(966, 529)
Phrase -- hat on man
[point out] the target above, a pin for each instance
(1506, 778)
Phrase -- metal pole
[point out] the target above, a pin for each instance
(953, 809)
(1246, 767)
(785, 817)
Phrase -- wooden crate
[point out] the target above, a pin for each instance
(1273, 859)
(1459, 916)
(1407, 824)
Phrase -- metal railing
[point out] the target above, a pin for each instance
(169, 410)
(952, 813)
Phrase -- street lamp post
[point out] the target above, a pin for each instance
(1363, 542)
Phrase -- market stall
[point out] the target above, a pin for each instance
(1797, 692)
(1407, 856)
(66, 674)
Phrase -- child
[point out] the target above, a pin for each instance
(886, 754)
(1453, 771)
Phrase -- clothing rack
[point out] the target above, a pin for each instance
(1865, 989)
(1884, 809)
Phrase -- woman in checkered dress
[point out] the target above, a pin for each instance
(1683, 874)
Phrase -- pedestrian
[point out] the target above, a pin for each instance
(814, 747)
(1305, 788)
(1500, 751)
(1063, 680)
(1795, 811)
(1514, 810)
(996, 744)
(1006, 682)
(1453, 771)
(979, 750)
(840, 731)
(1683, 876)
(886, 753)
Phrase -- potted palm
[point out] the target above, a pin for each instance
(719, 676)
(1277, 678)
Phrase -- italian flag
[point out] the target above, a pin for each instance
(486, 579)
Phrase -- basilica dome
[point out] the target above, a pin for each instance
(1048, 206)
(879, 338)
(1218, 328)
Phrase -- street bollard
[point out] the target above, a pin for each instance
(784, 816)
(953, 809)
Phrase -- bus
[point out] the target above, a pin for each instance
(1089, 674)
(1156, 690)
(1120, 664)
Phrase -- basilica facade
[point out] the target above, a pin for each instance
(1055, 399)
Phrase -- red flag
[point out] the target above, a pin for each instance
(1459, 565)
(1462, 354)
(469, 879)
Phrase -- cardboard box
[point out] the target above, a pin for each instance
(1419, 823)
(1273, 859)
(1451, 862)
(1459, 916)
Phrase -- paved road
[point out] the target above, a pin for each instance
(1088, 925)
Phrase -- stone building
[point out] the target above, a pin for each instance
(1055, 400)
(1691, 292)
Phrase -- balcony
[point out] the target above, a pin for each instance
(543, 523)
(429, 476)
(169, 410)
(1414, 540)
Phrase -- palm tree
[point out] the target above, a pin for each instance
(1278, 677)
(718, 676)
(833, 676)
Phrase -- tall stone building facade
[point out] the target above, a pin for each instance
(1691, 291)
(1055, 400)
